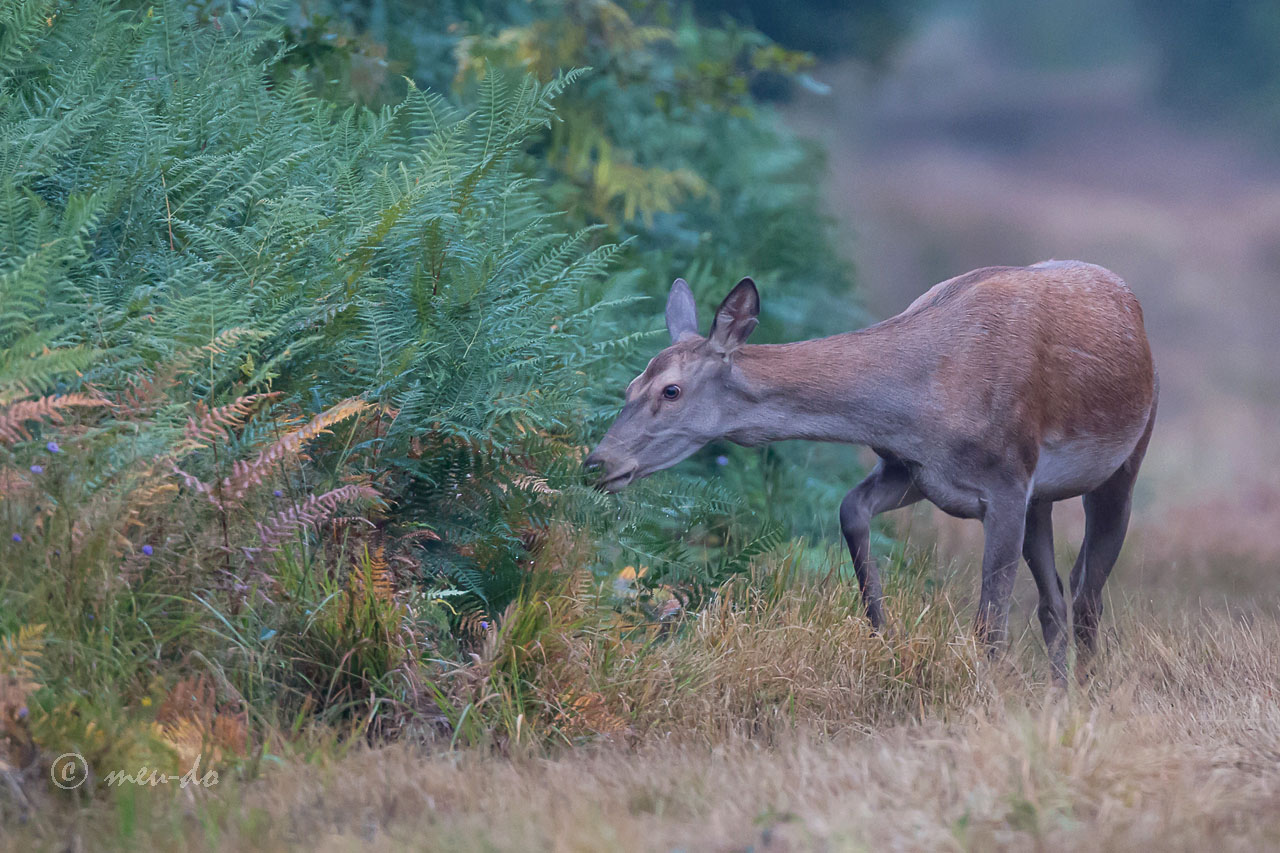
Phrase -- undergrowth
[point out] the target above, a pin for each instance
(293, 398)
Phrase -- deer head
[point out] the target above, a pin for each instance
(689, 394)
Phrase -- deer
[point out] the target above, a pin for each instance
(993, 395)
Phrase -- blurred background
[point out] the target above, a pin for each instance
(1137, 135)
(937, 136)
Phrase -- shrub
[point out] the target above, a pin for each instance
(292, 394)
(243, 315)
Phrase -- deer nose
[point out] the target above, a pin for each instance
(612, 474)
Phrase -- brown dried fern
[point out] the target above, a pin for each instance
(379, 577)
(146, 391)
(197, 485)
(150, 492)
(246, 475)
(197, 727)
(20, 676)
(13, 483)
(15, 416)
(313, 510)
(142, 395)
(230, 492)
(208, 426)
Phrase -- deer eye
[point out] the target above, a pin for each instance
(671, 392)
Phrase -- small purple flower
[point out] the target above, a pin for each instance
(484, 626)
(53, 447)
(722, 460)
(37, 469)
(17, 537)
(278, 493)
(22, 712)
(148, 550)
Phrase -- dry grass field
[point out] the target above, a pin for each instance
(778, 723)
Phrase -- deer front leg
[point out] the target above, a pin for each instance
(1003, 525)
(887, 487)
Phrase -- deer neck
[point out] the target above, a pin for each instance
(866, 387)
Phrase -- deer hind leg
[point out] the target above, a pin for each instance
(1037, 549)
(1106, 521)
(888, 486)
(1106, 514)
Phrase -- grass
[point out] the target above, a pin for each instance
(771, 719)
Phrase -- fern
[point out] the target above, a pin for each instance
(21, 664)
(245, 475)
(296, 313)
(21, 25)
(15, 416)
(210, 426)
(311, 511)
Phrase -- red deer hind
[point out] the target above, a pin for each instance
(992, 396)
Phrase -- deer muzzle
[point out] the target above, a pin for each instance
(615, 474)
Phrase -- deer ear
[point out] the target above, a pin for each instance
(682, 311)
(735, 318)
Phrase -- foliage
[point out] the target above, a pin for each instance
(866, 29)
(293, 393)
(233, 316)
(665, 143)
(662, 144)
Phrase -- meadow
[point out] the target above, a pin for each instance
(775, 721)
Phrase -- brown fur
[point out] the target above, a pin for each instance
(1014, 353)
